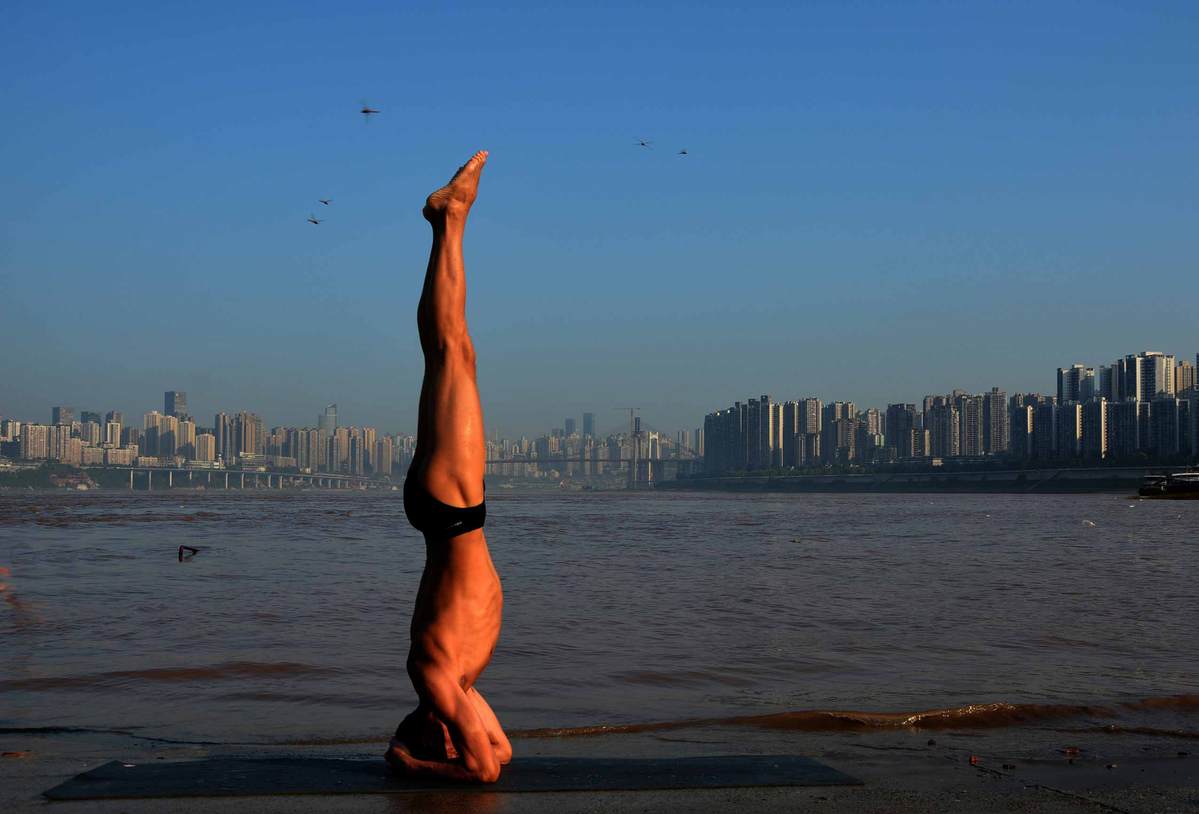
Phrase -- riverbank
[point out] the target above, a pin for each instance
(1080, 480)
(1017, 769)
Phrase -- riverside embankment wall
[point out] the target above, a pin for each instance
(1097, 479)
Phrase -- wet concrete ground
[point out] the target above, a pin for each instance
(1016, 769)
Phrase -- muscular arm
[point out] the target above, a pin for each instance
(495, 732)
(477, 761)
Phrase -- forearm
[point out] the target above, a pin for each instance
(455, 770)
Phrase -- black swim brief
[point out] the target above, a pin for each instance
(438, 520)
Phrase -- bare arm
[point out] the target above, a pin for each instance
(477, 761)
(495, 732)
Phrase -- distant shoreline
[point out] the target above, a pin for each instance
(1081, 480)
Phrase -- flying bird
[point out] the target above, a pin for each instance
(367, 111)
(683, 151)
(325, 201)
(312, 219)
(641, 142)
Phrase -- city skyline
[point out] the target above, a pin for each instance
(1140, 376)
(605, 421)
(1141, 407)
(1020, 192)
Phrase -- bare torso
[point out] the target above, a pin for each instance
(456, 621)
(455, 626)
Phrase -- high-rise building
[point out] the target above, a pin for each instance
(1128, 428)
(901, 423)
(356, 464)
(944, 428)
(1158, 375)
(90, 433)
(88, 415)
(1184, 379)
(222, 431)
(310, 450)
(996, 422)
(1108, 378)
(1021, 429)
(683, 441)
(339, 450)
(752, 438)
(1069, 382)
(327, 420)
(10, 430)
(168, 436)
(970, 423)
(810, 413)
(724, 441)
(870, 441)
(114, 415)
(588, 425)
(151, 433)
(62, 415)
(792, 435)
(63, 447)
(205, 447)
(1044, 430)
(185, 439)
(569, 425)
(1096, 439)
(761, 433)
(384, 453)
(1164, 426)
(112, 433)
(247, 433)
(832, 449)
(1069, 430)
(35, 442)
(1145, 376)
(843, 435)
(174, 403)
(1188, 425)
(370, 437)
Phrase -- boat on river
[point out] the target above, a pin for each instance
(1173, 484)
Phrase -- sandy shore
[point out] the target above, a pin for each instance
(1017, 769)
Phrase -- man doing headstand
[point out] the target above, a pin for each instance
(452, 733)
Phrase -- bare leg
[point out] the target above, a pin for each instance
(453, 734)
(450, 456)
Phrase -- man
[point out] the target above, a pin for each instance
(452, 733)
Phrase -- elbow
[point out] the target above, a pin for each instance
(484, 771)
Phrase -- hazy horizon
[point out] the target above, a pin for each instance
(878, 202)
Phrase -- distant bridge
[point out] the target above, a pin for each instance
(257, 479)
(145, 476)
(584, 462)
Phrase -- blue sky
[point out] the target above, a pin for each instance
(881, 200)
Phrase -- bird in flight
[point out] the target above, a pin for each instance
(683, 151)
(641, 142)
(312, 219)
(367, 111)
(325, 201)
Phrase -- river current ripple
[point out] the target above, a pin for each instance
(291, 623)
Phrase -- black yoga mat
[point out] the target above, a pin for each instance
(230, 777)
